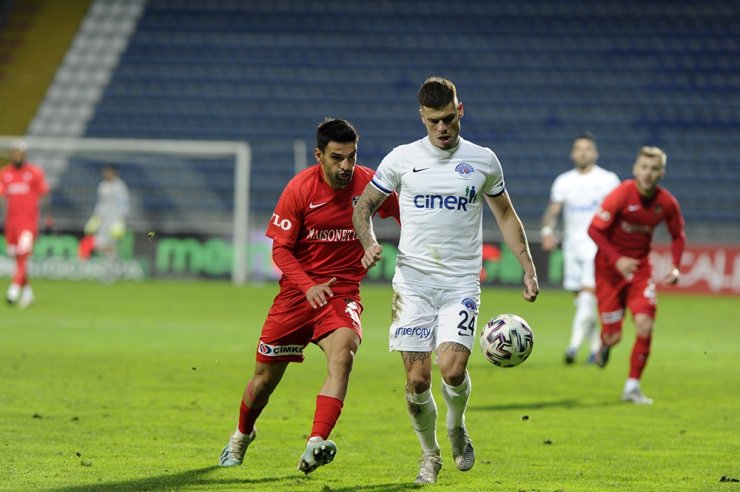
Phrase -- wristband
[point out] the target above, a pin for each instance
(546, 231)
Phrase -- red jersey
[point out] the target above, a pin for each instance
(314, 221)
(624, 224)
(22, 188)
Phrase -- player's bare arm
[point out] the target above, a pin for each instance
(368, 203)
(549, 221)
(515, 238)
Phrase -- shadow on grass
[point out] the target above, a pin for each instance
(199, 478)
(565, 403)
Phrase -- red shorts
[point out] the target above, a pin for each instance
(292, 324)
(615, 293)
(19, 238)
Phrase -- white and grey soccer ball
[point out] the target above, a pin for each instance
(506, 340)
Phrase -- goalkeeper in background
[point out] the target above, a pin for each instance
(107, 226)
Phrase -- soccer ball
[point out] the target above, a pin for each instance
(506, 340)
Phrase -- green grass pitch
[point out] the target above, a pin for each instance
(136, 386)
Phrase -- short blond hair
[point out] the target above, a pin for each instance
(653, 152)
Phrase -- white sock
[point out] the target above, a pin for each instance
(456, 398)
(423, 413)
(584, 319)
(631, 384)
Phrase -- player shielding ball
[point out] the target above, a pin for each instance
(623, 231)
(577, 194)
(317, 250)
(442, 181)
(24, 187)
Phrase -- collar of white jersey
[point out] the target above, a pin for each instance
(428, 143)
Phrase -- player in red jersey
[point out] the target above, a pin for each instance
(24, 187)
(316, 248)
(623, 230)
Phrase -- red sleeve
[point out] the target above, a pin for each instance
(676, 228)
(604, 220)
(287, 218)
(43, 186)
(390, 208)
(602, 241)
(291, 268)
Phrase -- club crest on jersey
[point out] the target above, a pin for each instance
(464, 169)
(470, 304)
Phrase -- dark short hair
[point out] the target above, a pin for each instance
(586, 136)
(335, 130)
(436, 93)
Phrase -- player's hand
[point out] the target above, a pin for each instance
(672, 277)
(319, 294)
(372, 255)
(627, 266)
(531, 287)
(48, 225)
(549, 242)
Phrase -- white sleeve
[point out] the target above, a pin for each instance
(387, 177)
(495, 182)
(557, 192)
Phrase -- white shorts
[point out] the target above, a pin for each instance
(425, 317)
(578, 271)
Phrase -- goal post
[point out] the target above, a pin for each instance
(170, 163)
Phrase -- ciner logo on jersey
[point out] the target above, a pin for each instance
(449, 202)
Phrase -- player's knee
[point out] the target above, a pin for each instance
(341, 361)
(610, 337)
(453, 372)
(418, 383)
(643, 325)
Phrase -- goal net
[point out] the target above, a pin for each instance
(177, 188)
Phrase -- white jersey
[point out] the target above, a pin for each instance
(440, 195)
(581, 195)
(113, 200)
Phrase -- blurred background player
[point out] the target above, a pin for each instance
(24, 187)
(317, 250)
(107, 226)
(440, 180)
(578, 193)
(623, 230)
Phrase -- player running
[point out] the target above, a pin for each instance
(578, 193)
(25, 190)
(317, 250)
(623, 230)
(442, 182)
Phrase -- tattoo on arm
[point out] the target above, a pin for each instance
(369, 202)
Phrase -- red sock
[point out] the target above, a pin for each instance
(326, 416)
(247, 418)
(640, 353)
(20, 277)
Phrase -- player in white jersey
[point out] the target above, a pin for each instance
(442, 182)
(578, 193)
(107, 225)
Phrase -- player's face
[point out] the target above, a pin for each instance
(648, 171)
(443, 125)
(17, 157)
(338, 163)
(584, 153)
